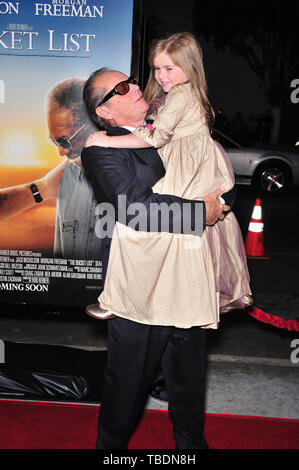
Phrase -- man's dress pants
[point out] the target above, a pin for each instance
(135, 352)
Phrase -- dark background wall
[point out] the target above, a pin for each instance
(233, 86)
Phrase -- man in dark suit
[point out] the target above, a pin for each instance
(135, 350)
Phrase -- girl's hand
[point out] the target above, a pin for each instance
(100, 139)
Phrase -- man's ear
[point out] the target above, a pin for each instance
(104, 112)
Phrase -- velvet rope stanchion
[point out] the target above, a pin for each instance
(278, 322)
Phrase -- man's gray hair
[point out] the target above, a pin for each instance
(68, 94)
(92, 95)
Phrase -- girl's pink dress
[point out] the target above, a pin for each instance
(180, 280)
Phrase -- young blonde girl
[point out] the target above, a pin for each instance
(156, 277)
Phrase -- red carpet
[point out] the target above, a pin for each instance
(44, 425)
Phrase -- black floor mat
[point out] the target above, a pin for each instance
(34, 371)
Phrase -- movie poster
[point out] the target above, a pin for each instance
(49, 249)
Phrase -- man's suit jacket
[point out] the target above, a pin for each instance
(132, 173)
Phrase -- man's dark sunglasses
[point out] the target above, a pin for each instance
(122, 88)
(64, 142)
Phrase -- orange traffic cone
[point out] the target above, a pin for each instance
(254, 244)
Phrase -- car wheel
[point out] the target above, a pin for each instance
(272, 177)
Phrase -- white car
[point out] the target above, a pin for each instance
(270, 168)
